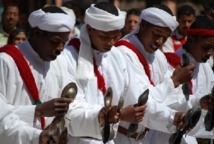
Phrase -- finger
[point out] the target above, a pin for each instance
(63, 100)
(61, 105)
(139, 114)
(141, 108)
(139, 119)
(64, 109)
(116, 119)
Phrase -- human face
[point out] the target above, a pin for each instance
(19, 38)
(152, 37)
(131, 23)
(103, 41)
(185, 22)
(201, 48)
(11, 17)
(50, 44)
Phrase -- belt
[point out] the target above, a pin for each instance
(135, 136)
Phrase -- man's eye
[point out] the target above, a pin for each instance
(54, 42)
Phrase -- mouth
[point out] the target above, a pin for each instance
(11, 22)
(154, 47)
(53, 57)
(205, 60)
(107, 48)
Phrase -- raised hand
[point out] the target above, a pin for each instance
(205, 102)
(182, 74)
(133, 113)
(58, 106)
(184, 122)
(209, 117)
(54, 107)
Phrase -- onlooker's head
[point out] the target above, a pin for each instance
(10, 17)
(79, 7)
(185, 17)
(155, 27)
(131, 21)
(51, 27)
(70, 12)
(17, 36)
(23, 21)
(209, 11)
(200, 40)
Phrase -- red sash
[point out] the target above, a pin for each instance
(176, 46)
(100, 80)
(25, 73)
(142, 61)
(139, 55)
(174, 60)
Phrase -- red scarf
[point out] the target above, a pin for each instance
(142, 61)
(139, 55)
(174, 60)
(176, 46)
(25, 73)
(100, 80)
(200, 32)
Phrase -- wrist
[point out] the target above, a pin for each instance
(37, 112)
(122, 115)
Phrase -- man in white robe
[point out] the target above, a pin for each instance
(202, 81)
(50, 30)
(98, 59)
(199, 49)
(155, 27)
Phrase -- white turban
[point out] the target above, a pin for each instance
(51, 22)
(103, 20)
(100, 20)
(159, 17)
(70, 12)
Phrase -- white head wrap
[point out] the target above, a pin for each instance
(70, 12)
(156, 17)
(159, 17)
(100, 20)
(51, 22)
(103, 20)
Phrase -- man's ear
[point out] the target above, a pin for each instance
(143, 24)
(89, 28)
(36, 32)
(191, 39)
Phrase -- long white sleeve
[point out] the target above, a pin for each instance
(13, 130)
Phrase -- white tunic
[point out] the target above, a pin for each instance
(12, 130)
(126, 80)
(164, 91)
(50, 78)
(202, 82)
(161, 72)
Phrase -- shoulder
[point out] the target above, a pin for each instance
(71, 50)
(5, 57)
(126, 48)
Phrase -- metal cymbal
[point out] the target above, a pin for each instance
(70, 91)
